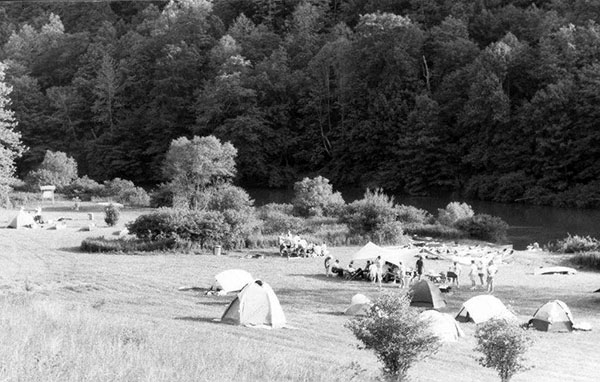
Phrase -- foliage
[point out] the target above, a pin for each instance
(454, 212)
(503, 344)
(124, 191)
(193, 165)
(315, 197)
(205, 228)
(111, 215)
(574, 244)
(161, 196)
(414, 215)
(57, 169)
(278, 219)
(483, 227)
(420, 96)
(84, 188)
(590, 260)
(373, 217)
(18, 199)
(395, 333)
(102, 244)
(11, 146)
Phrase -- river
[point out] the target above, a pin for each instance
(527, 223)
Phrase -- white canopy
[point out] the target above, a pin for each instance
(233, 280)
(393, 256)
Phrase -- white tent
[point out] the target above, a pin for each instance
(442, 325)
(482, 308)
(23, 219)
(394, 256)
(255, 305)
(359, 305)
(233, 280)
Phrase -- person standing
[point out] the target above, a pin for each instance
(420, 267)
(473, 275)
(454, 273)
(379, 263)
(481, 272)
(492, 270)
(401, 274)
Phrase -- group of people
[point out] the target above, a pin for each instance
(379, 271)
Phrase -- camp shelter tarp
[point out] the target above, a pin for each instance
(370, 252)
(255, 305)
(553, 316)
(426, 294)
(233, 280)
(359, 305)
(554, 270)
(482, 308)
(442, 325)
(22, 219)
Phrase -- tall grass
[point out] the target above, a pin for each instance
(589, 260)
(46, 341)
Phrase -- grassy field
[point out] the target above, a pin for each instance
(72, 316)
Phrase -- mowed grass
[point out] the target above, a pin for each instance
(72, 316)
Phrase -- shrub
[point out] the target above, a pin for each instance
(277, 218)
(503, 344)
(511, 187)
(23, 198)
(315, 197)
(395, 333)
(484, 227)
(574, 244)
(410, 214)
(125, 191)
(56, 169)
(206, 228)
(453, 212)
(374, 217)
(84, 188)
(589, 260)
(101, 244)
(111, 215)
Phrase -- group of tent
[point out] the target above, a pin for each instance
(552, 316)
(256, 303)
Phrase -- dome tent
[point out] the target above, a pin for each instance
(442, 325)
(426, 294)
(553, 316)
(359, 306)
(255, 305)
(482, 308)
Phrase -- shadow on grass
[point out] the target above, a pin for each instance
(71, 249)
(210, 320)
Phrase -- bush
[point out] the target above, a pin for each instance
(589, 260)
(374, 218)
(101, 244)
(454, 212)
(111, 215)
(484, 227)
(503, 344)
(410, 214)
(277, 218)
(206, 228)
(395, 333)
(574, 244)
(84, 188)
(315, 197)
(125, 191)
(56, 169)
(23, 198)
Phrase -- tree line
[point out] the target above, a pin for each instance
(493, 98)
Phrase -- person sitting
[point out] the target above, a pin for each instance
(336, 268)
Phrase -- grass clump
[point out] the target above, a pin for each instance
(102, 244)
(590, 260)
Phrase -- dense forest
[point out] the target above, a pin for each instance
(495, 99)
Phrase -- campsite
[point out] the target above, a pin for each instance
(73, 313)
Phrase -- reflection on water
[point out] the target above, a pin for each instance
(528, 224)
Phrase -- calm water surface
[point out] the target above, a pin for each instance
(528, 224)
